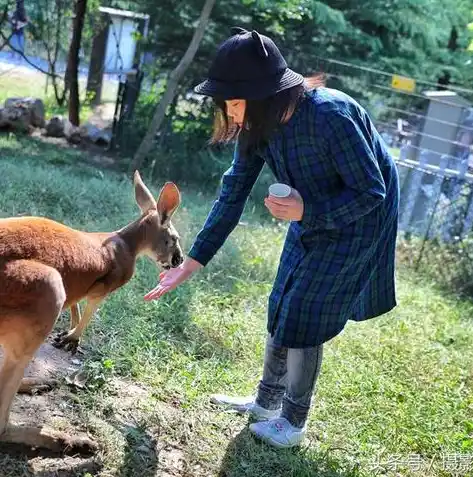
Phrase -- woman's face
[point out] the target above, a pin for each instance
(236, 110)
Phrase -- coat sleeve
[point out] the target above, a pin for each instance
(349, 149)
(225, 214)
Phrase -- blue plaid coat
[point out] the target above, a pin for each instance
(338, 262)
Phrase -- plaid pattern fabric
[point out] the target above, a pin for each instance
(338, 262)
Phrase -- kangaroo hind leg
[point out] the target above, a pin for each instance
(29, 306)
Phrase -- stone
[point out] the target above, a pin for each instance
(16, 118)
(3, 121)
(55, 127)
(34, 105)
(96, 135)
(72, 133)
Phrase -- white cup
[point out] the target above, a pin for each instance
(279, 190)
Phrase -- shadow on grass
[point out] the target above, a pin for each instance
(58, 152)
(141, 458)
(248, 457)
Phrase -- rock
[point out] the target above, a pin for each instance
(3, 122)
(78, 379)
(106, 136)
(71, 132)
(58, 126)
(55, 127)
(34, 105)
(16, 118)
(95, 134)
(89, 132)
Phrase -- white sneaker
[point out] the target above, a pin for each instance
(243, 405)
(278, 433)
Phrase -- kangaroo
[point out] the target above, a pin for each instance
(47, 267)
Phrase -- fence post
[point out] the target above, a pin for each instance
(462, 169)
(468, 223)
(428, 233)
(412, 193)
(437, 193)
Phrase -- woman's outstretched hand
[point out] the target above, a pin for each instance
(171, 279)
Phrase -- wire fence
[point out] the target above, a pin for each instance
(436, 224)
(429, 128)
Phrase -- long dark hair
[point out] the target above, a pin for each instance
(262, 117)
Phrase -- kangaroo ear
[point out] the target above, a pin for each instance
(168, 202)
(143, 196)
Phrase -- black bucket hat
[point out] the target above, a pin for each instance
(248, 66)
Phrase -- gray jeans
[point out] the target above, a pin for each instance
(289, 378)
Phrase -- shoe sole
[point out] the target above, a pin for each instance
(278, 444)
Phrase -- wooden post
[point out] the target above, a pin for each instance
(97, 60)
(436, 196)
(72, 72)
(412, 193)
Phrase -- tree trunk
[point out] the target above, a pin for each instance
(72, 71)
(444, 80)
(4, 20)
(166, 127)
(20, 13)
(171, 87)
(97, 60)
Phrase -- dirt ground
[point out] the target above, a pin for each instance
(56, 409)
(51, 409)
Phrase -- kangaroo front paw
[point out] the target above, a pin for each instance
(67, 341)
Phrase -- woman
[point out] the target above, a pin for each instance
(338, 259)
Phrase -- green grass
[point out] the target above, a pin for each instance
(14, 83)
(400, 384)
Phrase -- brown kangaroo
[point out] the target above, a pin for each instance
(46, 267)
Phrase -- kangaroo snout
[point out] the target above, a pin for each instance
(177, 259)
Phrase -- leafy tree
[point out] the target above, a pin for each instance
(172, 85)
